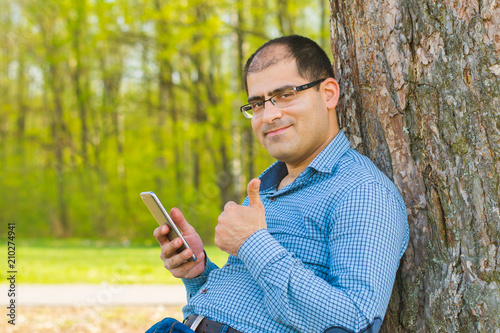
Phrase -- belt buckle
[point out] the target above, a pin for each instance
(197, 322)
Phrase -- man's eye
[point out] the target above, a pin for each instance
(257, 105)
(286, 95)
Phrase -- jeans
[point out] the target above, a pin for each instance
(169, 325)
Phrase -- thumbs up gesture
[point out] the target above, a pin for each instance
(237, 223)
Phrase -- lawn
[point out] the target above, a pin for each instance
(84, 261)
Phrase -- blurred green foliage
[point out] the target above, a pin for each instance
(101, 100)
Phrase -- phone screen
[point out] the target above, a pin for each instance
(161, 216)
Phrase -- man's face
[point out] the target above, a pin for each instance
(297, 133)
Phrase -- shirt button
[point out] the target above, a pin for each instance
(204, 291)
(273, 199)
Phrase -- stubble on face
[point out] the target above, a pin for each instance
(284, 133)
(296, 134)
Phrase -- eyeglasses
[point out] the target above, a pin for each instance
(281, 100)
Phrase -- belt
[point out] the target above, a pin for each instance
(200, 324)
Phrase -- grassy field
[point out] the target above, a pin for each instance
(85, 261)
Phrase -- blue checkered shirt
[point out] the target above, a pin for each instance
(327, 259)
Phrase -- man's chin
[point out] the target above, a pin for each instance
(280, 154)
(280, 148)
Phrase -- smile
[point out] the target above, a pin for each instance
(277, 131)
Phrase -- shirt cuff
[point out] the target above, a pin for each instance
(194, 284)
(259, 251)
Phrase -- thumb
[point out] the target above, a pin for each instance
(253, 192)
(179, 220)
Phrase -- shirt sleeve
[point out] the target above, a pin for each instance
(367, 236)
(193, 285)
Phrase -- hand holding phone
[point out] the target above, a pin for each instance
(161, 216)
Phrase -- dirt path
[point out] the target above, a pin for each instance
(96, 294)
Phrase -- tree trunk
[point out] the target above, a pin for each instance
(60, 140)
(78, 75)
(23, 109)
(112, 70)
(60, 134)
(200, 114)
(420, 96)
(164, 90)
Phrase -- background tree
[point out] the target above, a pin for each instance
(100, 100)
(103, 99)
(421, 97)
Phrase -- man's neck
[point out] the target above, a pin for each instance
(294, 170)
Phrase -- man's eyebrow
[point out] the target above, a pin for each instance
(271, 93)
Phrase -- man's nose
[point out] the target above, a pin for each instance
(271, 112)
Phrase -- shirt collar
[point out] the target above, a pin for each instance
(328, 157)
(324, 162)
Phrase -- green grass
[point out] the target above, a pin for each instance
(79, 261)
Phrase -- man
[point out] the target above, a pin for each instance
(316, 244)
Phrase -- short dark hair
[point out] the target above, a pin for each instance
(312, 61)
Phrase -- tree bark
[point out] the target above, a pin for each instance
(420, 96)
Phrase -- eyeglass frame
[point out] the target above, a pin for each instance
(271, 99)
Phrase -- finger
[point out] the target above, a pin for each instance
(229, 204)
(253, 193)
(180, 220)
(169, 248)
(180, 259)
(184, 270)
(160, 233)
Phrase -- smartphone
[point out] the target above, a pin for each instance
(161, 216)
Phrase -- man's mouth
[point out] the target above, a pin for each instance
(276, 131)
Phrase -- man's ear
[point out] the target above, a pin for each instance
(331, 92)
